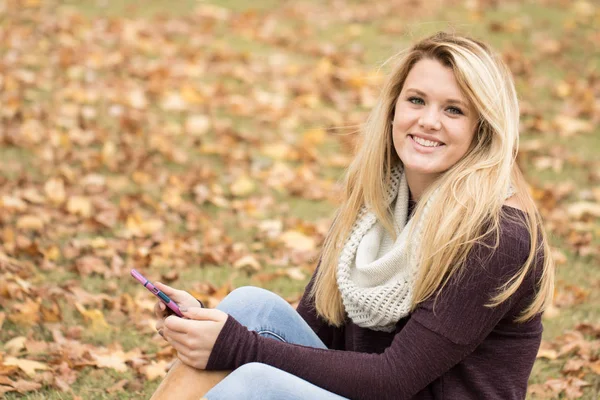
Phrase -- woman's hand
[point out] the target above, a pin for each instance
(181, 297)
(194, 337)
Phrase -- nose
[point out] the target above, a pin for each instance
(430, 119)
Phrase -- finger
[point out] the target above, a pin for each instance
(175, 336)
(179, 346)
(204, 314)
(174, 323)
(166, 289)
(159, 309)
(159, 325)
(186, 326)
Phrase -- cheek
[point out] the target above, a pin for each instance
(463, 138)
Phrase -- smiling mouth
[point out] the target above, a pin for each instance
(425, 142)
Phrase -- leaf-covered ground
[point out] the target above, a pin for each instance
(202, 144)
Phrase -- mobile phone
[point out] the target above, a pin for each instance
(172, 307)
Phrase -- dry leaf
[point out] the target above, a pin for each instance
(15, 345)
(155, 370)
(94, 318)
(242, 186)
(27, 366)
(297, 241)
(30, 223)
(248, 262)
(79, 205)
(55, 191)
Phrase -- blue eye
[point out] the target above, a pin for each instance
(416, 100)
(454, 110)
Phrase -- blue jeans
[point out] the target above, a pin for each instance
(268, 314)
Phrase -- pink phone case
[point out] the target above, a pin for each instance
(155, 291)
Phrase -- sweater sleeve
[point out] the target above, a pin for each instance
(434, 339)
(306, 308)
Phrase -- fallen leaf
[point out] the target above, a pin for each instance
(30, 223)
(15, 345)
(94, 318)
(242, 186)
(297, 241)
(248, 262)
(80, 205)
(27, 366)
(155, 370)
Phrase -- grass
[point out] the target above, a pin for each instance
(520, 19)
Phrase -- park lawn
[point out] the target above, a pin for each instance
(519, 28)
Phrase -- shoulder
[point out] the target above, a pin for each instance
(513, 202)
(505, 249)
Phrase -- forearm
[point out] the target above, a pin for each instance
(399, 373)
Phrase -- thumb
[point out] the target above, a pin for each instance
(204, 314)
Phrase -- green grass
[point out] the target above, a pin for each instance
(24, 165)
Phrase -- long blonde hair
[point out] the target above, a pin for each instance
(472, 192)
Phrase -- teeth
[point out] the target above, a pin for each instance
(426, 143)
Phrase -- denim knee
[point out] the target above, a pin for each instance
(248, 298)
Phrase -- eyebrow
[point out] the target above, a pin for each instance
(451, 101)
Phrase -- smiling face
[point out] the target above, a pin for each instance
(434, 124)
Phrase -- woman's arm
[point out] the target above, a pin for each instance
(329, 335)
(428, 346)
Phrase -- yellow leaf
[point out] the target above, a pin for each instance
(109, 153)
(191, 95)
(155, 369)
(16, 344)
(30, 223)
(279, 151)
(295, 273)
(548, 354)
(314, 137)
(242, 186)
(94, 318)
(137, 99)
(249, 262)
(55, 191)
(297, 241)
(80, 205)
(105, 358)
(52, 253)
(197, 125)
(584, 8)
(27, 366)
(569, 126)
(551, 312)
(580, 209)
(173, 101)
(26, 313)
(11, 203)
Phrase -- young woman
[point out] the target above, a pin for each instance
(434, 273)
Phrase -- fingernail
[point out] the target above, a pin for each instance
(183, 309)
(161, 333)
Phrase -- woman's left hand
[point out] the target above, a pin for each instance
(195, 335)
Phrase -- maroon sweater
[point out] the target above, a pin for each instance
(458, 349)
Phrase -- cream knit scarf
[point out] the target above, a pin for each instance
(375, 275)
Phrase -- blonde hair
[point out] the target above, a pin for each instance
(476, 185)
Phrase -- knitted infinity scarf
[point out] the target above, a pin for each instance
(376, 276)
